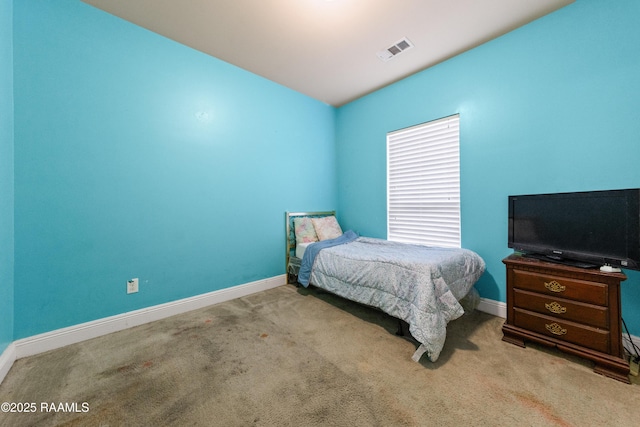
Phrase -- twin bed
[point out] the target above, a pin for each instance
(417, 284)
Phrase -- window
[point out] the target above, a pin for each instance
(423, 183)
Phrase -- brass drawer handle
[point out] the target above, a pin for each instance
(555, 329)
(554, 286)
(554, 307)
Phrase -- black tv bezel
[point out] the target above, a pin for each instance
(583, 258)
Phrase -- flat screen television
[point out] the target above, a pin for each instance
(585, 229)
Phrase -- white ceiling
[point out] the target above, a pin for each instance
(327, 48)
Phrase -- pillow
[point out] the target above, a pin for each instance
(304, 230)
(327, 227)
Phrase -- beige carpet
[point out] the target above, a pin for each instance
(293, 357)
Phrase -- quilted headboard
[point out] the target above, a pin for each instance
(290, 230)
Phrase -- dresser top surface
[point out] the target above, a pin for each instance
(525, 262)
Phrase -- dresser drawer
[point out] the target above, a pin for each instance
(582, 335)
(573, 289)
(593, 315)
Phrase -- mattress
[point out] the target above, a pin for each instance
(300, 248)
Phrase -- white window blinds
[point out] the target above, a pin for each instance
(423, 183)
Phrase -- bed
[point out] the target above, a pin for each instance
(420, 285)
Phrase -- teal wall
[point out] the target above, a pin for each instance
(6, 173)
(553, 106)
(108, 172)
(118, 175)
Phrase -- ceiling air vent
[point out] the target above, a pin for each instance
(395, 49)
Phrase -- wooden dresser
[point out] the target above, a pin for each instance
(574, 309)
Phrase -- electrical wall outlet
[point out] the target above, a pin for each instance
(132, 286)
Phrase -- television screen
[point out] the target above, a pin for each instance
(589, 228)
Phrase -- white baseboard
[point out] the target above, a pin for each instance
(495, 308)
(628, 347)
(7, 358)
(84, 331)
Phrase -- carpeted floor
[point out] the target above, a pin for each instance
(296, 357)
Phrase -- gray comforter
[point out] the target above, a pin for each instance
(418, 284)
